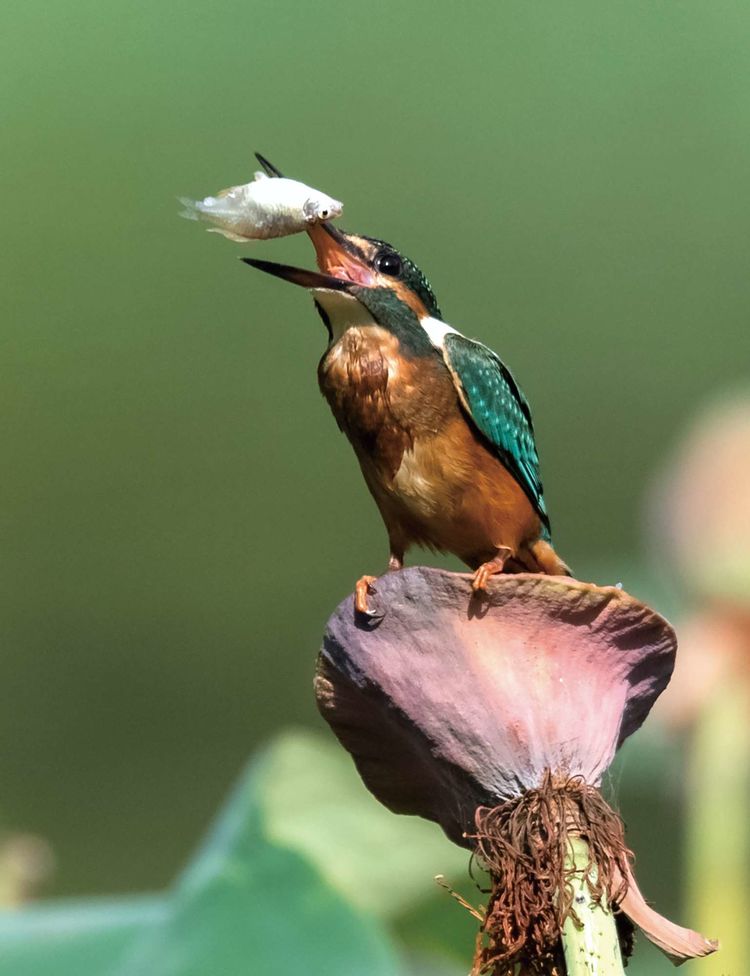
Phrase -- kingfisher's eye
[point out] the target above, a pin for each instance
(388, 263)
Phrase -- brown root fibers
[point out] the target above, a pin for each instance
(523, 844)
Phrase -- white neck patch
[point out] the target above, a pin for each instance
(343, 311)
(437, 330)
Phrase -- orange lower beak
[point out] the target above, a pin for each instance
(338, 256)
(342, 265)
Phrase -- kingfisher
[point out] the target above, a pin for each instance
(441, 430)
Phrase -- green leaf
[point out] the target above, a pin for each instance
(314, 802)
(74, 937)
(244, 905)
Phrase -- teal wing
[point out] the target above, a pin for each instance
(499, 410)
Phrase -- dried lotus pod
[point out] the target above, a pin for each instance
(497, 718)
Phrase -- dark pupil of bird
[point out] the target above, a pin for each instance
(389, 263)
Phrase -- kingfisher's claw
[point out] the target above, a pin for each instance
(361, 591)
(496, 565)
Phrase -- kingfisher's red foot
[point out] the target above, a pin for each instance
(364, 585)
(491, 568)
(361, 591)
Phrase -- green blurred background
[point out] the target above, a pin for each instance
(179, 512)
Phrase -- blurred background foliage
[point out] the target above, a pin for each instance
(179, 513)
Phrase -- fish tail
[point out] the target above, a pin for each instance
(191, 211)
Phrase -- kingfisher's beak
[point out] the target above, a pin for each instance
(342, 264)
(300, 276)
(269, 168)
(338, 254)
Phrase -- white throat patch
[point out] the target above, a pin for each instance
(343, 311)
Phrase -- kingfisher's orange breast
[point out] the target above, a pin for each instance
(384, 401)
(434, 479)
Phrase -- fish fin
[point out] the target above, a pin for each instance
(230, 236)
(191, 211)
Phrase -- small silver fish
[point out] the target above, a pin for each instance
(267, 207)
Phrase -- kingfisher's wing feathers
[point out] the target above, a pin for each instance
(498, 409)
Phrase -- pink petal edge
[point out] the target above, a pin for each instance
(677, 943)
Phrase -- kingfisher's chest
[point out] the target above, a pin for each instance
(383, 399)
(363, 377)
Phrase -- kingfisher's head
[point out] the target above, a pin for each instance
(373, 263)
(363, 271)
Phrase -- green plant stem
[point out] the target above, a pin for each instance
(718, 840)
(591, 948)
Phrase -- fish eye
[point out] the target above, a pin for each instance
(388, 263)
(324, 214)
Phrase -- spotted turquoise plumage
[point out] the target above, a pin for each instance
(500, 412)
